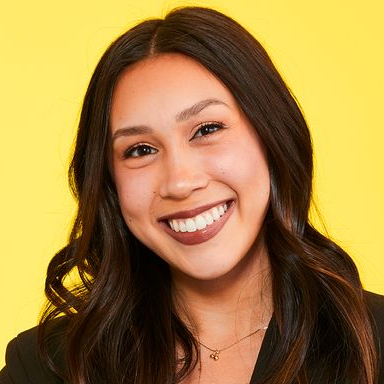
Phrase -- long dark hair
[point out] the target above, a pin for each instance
(123, 326)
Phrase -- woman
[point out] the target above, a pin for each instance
(197, 263)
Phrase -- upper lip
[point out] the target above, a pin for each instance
(191, 212)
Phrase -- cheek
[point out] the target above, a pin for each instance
(135, 192)
(241, 166)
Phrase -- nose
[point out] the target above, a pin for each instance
(182, 175)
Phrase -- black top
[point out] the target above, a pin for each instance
(23, 365)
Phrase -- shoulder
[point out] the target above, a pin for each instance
(23, 364)
(375, 305)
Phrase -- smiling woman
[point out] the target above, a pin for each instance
(197, 262)
(196, 162)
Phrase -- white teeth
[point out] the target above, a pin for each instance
(208, 218)
(191, 226)
(215, 214)
(176, 227)
(182, 226)
(199, 222)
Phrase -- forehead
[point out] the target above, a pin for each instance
(164, 83)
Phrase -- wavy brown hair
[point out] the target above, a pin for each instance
(123, 326)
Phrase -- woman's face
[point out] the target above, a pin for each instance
(190, 171)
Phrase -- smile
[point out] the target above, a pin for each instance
(198, 225)
(199, 222)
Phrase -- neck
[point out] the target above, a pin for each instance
(227, 308)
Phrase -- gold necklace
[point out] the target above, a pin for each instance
(216, 352)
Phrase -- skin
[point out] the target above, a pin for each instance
(167, 158)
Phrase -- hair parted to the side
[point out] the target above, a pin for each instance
(123, 326)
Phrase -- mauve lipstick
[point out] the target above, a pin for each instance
(191, 212)
(202, 235)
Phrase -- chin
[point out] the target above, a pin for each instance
(209, 271)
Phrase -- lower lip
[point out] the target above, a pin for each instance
(202, 235)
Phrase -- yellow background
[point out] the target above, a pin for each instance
(330, 52)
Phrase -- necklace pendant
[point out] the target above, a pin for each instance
(215, 355)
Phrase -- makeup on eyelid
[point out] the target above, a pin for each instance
(149, 150)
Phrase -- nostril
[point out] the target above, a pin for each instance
(182, 187)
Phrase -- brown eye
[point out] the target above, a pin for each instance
(139, 151)
(207, 129)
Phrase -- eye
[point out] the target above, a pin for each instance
(139, 150)
(208, 128)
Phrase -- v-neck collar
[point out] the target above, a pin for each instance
(266, 349)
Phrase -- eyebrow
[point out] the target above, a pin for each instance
(132, 131)
(184, 115)
(197, 108)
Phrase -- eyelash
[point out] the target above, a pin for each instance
(209, 127)
(217, 125)
(129, 153)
